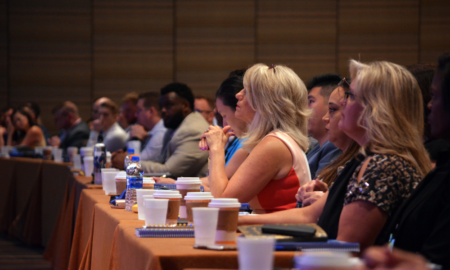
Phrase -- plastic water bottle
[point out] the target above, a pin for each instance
(128, 158)
(99, 161)
(135, 180)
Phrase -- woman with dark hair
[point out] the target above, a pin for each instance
(226, 106)
(25, 132)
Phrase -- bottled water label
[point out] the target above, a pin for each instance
(135, 182)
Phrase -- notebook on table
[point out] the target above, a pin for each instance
(179, 231)
(317, 241)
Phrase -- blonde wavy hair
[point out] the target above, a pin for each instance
(392, 111)
(280, 100)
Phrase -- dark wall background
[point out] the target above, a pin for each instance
(56, 50)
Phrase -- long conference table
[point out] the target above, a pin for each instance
(44, 204)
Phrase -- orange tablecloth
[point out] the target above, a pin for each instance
(58, 249)
(84, 226)
(131, 252)
(105, 239)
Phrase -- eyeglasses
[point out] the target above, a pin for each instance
(344, 83)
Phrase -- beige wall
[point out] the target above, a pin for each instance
(53, 50)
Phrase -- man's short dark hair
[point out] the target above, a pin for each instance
(444, 70)
(328, 82)
(182, 90)
(151, 99)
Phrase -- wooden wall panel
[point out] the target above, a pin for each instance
(133, 46)
(3, 54)
(50, 54)
(378, 30)
(213, 38)
(299, 34)
(434, 29)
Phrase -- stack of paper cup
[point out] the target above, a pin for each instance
(185, 185)
(205, 223)
(108, 180)
(72, 151)
(227, 221)
(256, 253)
(174, 204)
(77, 162)
(196, 199)
(88, 165)
(140, 193)
(58, 155)
(155, 211)
(86, 152)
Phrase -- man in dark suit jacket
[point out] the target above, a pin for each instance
(73, 131)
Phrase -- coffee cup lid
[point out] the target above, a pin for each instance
(224, 202)
(188, 180)
(85, 150)
(121, 175)
(198, 196)
(322, 258)
(168, 194)
(149, 180)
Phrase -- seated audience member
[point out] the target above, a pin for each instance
(205, 106)
(150, 130)
(320, 88)
(315, 189)
(421, 225)
(226, 106)
(114, 137)
(274, 104)
(5, 124)
(180, 155)
(424, 75)
(35, 114)
(73, 131)
(94, 122)
(127, 112)
(24, 131)
(383, 114)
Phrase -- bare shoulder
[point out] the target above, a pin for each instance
(272, 148)
(35, 130)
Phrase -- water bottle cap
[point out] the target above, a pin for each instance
(130, 151)
(135, 158)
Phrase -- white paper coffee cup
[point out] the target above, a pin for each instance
(196, 199)
(140, 201)
(227, 221)
(185, 185)
(173, 207)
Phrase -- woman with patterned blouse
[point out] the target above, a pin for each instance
(383, 114)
